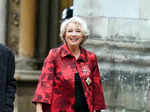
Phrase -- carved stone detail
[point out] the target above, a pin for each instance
(13, 18)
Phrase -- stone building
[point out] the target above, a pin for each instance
(119, 35)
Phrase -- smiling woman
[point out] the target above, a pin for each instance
(70, 79)
(74, 32)
(73, 38)
(81, 25)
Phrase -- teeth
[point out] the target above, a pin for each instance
(75, 39)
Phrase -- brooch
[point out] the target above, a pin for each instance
(85, 70)
(88, 81)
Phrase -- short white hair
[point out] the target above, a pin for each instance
(75, 19)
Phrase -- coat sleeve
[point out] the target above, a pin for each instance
(11, 83)
(43, 93)
(98, 96)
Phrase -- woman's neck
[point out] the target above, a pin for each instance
(75, 51)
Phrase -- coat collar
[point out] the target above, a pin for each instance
(66, 52)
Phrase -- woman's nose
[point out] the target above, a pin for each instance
(75, 33)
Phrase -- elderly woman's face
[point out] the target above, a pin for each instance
(73, 35)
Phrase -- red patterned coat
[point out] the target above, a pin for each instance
(56, 89)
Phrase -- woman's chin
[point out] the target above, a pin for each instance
(74, 44)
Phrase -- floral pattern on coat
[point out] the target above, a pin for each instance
(56, 89)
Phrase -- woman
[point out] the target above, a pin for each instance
(70, 79)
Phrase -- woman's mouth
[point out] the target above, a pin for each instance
(74, 39)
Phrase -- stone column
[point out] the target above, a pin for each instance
(47, 28)
(2, 20)
(25, 64)
(27, 28)
(27, 33)
(53, 23)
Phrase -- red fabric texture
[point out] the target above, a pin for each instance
(56, 89)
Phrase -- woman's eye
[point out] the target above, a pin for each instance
(78, 31)
(69, 31)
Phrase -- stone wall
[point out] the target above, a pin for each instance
(12, 27)
(2, 20)
(125, 74)
(120, 38)
(26, 85)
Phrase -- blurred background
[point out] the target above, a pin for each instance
(119, 35)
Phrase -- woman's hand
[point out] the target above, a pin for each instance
(39, 107)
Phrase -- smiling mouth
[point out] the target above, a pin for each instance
(74, 39)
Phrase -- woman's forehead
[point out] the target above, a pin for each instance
(76, 24)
